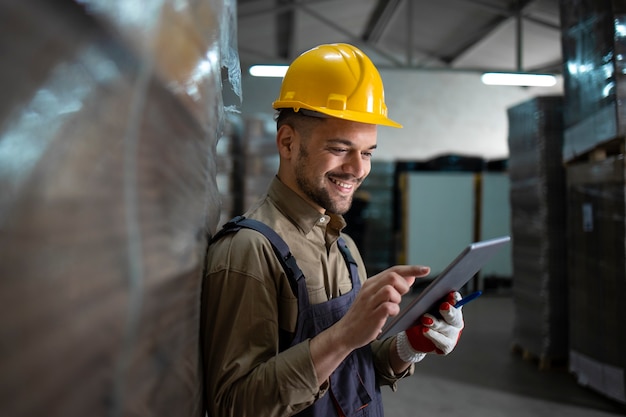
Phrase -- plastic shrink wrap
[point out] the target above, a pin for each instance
(109, 117)
(594, 47)
(596, 195)
(593, 34)
(537, 197)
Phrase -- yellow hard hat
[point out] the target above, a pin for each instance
(337, 80)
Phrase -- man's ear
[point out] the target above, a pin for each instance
(285, 138)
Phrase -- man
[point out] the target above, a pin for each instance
(276, 345)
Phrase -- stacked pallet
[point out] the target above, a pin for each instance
(593, 53)
(537, 196)
(230, 169)
(260, 158)
(110, 114)
(597, 268)
(593, 151)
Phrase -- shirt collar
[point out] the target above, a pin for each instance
(300, 212)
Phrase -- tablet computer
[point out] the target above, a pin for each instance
(453, 278)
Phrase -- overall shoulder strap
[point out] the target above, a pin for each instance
(343, 248)
(281, 249)
(350, 263)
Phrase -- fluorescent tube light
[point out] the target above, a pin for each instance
(268, 70)
(519, 79)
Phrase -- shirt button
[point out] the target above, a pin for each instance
(322, 219)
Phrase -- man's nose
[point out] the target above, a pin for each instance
(356, 165)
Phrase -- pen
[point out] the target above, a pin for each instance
(468, 298)
(435, 310)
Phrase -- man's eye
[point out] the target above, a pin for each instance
(367, 154)
(339, 150)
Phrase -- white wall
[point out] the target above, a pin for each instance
(440, 222)
(442, 112)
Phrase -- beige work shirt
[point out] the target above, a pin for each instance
(247, 298)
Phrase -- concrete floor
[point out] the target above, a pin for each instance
(483, 377)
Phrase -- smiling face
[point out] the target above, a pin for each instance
(325, 160)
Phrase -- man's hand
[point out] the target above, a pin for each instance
(378, 299)
(438, 336)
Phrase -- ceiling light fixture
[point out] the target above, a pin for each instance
(268, 70)
(518, 79)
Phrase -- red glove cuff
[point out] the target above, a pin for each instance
(418, 341)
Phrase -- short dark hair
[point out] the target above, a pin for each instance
(297, 120)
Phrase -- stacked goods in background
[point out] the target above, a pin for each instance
(595, 125)
(260, 158)
(109, 120)
(247, 161)
(592, 34)
(596, 264)
(230, 169)
(537, 197)
(369, 220)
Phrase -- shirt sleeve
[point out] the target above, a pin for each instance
(245, 374)
(386, 375)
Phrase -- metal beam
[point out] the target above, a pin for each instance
(379, 19)
(519, 37)
(474, 39)
(284, 29)
(409, 32)
(273, 9)
(512, 13)
(285, 11)
(482, 33)
(354, 38)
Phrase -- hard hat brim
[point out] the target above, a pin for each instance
(352, 116)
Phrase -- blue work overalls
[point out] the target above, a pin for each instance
(353, 389)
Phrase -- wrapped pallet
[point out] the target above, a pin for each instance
(109, 117)
(597, 272)
(537, 197)
(594, 45)
(231, 169)
(260, 158)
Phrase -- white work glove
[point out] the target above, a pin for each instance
(433, 335)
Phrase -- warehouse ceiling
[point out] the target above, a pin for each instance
(448, 35)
